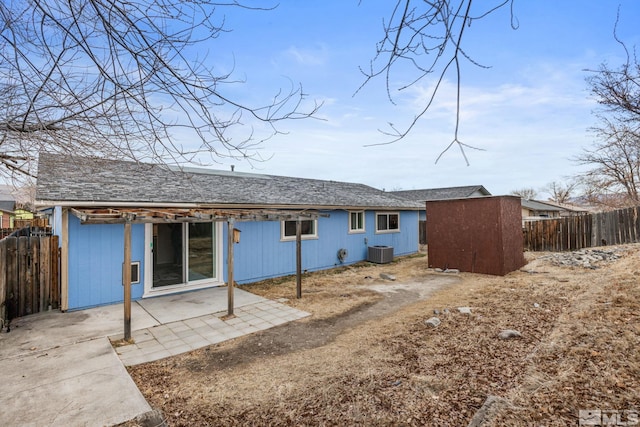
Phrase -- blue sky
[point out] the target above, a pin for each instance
(529, 112)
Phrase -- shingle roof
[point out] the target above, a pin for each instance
(442, 193)
(67, 179)
(540, 206)
(7, 205)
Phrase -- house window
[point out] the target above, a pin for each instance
(387, 222)
(356, 222)
(309, 229)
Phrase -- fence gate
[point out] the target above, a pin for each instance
(29, 279)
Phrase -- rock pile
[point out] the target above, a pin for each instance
(586, 258)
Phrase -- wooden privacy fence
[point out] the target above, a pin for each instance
(422, 229)
(30, 225)
(29, 276)
(584, 231)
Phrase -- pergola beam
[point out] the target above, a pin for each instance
(169, 215)
(129, 216)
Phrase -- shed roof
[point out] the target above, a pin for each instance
(442, 193)
(72, 181)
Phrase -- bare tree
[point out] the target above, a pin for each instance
(614, 175)
(614, 159)
(561, 192)
(526, 193)
(121, 78)
(426, 36)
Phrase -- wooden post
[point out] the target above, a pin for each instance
(44, 265)
(54, 260)
(22, 283)
(3, 284)
(126, 277)
(34, 273)
(11, 303)
(230, 267)
(298, 258)
(64, 262)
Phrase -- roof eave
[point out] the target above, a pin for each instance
(43, 204)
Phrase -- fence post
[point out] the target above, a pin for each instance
(22, 276)
(44, 276)
(11, 302)
(3, 285)
(33, 272)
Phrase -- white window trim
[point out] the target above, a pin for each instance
(397, 230)
(284, 238)
(357, 230)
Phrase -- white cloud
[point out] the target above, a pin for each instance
(308, 56)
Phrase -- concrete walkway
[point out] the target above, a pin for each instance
(60, 368)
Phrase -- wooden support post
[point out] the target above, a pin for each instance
(3, 285)
(298, 258)
(126, 278)
(64, 262)
(230, 267)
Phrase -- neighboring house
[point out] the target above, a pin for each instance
(7, 207)
(6, 218)
(536, 209)
(7, 213)
(23, 214)
(431, 194)
(178, 239)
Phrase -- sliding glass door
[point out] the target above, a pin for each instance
(183, 253)
(201, 250)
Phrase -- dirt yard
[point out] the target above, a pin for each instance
(367, 357)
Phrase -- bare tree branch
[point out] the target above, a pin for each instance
(120, 78)
(525, 193)
(427, 36)
(614, 159)
(561, 192)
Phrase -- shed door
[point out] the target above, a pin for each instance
(183, 254)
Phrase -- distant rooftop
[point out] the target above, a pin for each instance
(443, 193)
(539, 205)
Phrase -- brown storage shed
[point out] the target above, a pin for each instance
(477, 235)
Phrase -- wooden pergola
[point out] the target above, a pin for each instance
(131, 215)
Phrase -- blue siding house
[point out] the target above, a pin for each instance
(180, 222)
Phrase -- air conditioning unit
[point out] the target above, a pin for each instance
(380, 254)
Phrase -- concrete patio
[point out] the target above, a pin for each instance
(60, 368)
(190, 321)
